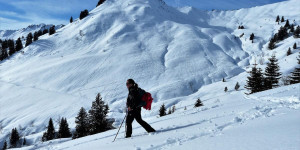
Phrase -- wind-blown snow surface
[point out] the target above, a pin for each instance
(170, 53)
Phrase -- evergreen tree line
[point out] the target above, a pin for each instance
(14, 140)
(283, 32)
(258, 81)
(162, 111)
(63, 132)
(241, 27)
(35, 36)
(94, 121)
(9, 47)
(87, 123)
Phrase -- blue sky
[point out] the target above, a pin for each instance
(15, 14)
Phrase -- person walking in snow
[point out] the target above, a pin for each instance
(134, 104)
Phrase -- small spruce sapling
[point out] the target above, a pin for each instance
(277, 18)
(237, 86)
(162, 110)
(282, 19)
(289, 52)
(226, 89)
(198, 103)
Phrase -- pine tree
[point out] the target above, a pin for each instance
(272, 73)
(97, 116)
(45, 31)
(83, 14)
(289, 52)
(237, 86)
(71, 19)
(282, 34)
(64, 130)
(295, 77)
(11, 46)
(173, 108)
(52, 30)
(226, 89)
(35, 36)
(40, 33)
(295, 46)
(19, 44)
(28, 39)
(82, 124)
(24, 141)
(292, 28)
(100, 2)
(3, 55)
(50, 133)
(162, 110)
(282, 19)
(198, 103)
(14, 138)
(4, 146)
(255, 80)
(4, 44)
(223, 80)
(252, 37)
(297, 32)
(272, 44)
(277, 19)
(287, 24)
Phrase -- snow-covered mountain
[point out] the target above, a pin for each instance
(176, 54)
(15, 34)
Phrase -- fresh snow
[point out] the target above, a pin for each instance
(262, 121)
(178, 55)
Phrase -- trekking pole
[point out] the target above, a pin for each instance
(126, 125)
(120, 127)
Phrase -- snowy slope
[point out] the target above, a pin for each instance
(220, 4)
(15, 34)
(263, 121)
(174, 54)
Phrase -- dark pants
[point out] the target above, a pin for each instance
(136, 114)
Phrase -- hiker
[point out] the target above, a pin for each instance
(134, 104)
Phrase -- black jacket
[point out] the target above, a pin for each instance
(134, 98)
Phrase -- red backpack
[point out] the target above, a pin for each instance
(148, 99)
